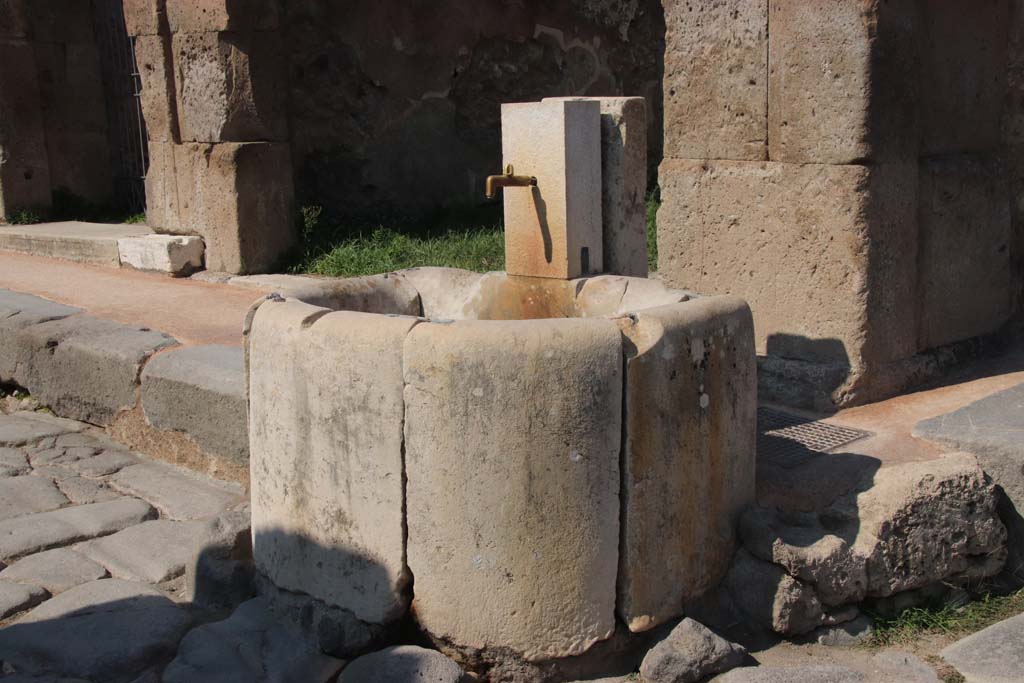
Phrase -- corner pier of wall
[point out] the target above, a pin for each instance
(821, 163)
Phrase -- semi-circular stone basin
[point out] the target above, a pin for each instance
(547, 458)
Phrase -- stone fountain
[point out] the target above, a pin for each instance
(525, 463)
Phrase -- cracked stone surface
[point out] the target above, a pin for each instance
(55, 570)
(26, 495)
(91, 569)
(177, 495)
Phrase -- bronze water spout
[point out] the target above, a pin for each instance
(509, 179)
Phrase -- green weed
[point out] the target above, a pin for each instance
(913, 623)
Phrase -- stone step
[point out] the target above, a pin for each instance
(72, 240)
(107, 244)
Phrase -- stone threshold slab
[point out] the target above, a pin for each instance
(78, 241)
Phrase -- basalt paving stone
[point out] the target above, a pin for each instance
(104, 630)
(26, 495)
(994, 655)
(178, 495)
(13, 462)
(152, 551)
(104, 463)
(61, 456)
(81, 491)
(55, 570)
(15, 597)
(45, 530)
(22, 428)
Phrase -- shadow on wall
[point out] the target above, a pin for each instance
(802, 372)
(397, 104)
(114, 630)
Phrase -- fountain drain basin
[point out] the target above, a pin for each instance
(526, 464)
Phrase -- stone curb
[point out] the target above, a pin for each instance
(105, 373)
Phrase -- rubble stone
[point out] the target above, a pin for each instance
(250, 647)
(919, 524)
(402, 663)
(689, 654)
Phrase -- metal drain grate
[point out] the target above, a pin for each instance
(788, 440)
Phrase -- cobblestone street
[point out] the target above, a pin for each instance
(94, 545)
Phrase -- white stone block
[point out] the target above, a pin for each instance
(554, 229)
(174, 254)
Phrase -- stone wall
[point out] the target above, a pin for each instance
(366, 107)
(53, 115)
(397, 104)
(840, 166)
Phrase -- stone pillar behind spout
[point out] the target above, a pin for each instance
(553, 230)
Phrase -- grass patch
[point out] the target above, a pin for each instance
(916, 622)
(469, 239)
(653, 204)
(68, 206)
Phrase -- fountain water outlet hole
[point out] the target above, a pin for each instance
(417, 424)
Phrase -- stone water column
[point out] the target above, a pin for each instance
(213, 97)
(838, 164)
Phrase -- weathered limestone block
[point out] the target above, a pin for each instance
(623, 184)
(326, 412)
(497, 296)
(145, 17)
(231, 87)
(158, 97)
(823, 254)
(186, 16)
(162, 207)
(19, 311)
(200, 390)
(24, 164)
(240, 198)
(964, 256)
(174, 255)
(13, 19)
(716, 92)
(443, 292)
(963, 75)
(690, 423)
(514, 499)
(553, 229)
(842, 83)
(918, 524)
(387, 294)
